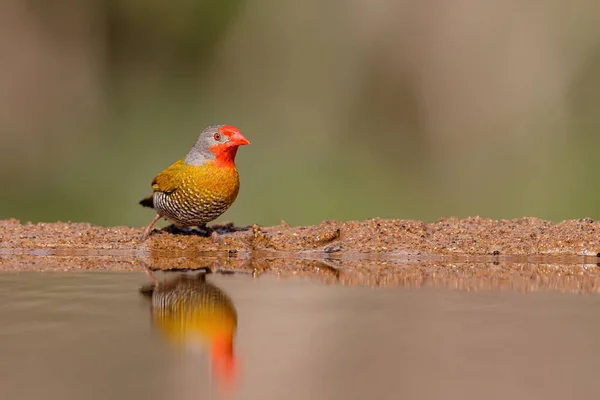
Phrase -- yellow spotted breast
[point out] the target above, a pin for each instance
(194, 195)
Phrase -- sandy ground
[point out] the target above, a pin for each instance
(525, 254)
(383, 237)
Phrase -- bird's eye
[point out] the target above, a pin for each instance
(217, 136)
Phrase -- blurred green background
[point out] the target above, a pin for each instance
(402, 109)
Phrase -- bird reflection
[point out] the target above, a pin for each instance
(192, 313)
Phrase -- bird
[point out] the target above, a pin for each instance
(201, 186)
(194, 314)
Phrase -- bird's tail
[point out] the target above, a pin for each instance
(148, 202)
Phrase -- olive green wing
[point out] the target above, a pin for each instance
(170, 179)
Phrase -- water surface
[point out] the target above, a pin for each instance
(91, 335)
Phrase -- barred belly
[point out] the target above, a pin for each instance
(185, 209)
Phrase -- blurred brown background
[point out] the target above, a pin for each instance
(355, 109)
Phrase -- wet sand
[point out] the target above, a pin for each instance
(466, 275)
(473, 254)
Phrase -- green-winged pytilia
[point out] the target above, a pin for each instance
(201, 186)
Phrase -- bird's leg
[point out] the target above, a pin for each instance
(149, 228)
(205, 230)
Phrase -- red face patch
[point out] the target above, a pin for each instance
(229, 130)
(225, 152)
(234, 135)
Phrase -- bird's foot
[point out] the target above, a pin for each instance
(201, 230)
(144, 236)
(206, 230)
(179, 230)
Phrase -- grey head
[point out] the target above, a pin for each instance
(200, 151)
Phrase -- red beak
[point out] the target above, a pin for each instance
(237, 139)
(234, 135)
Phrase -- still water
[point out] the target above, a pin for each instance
(95, 335)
